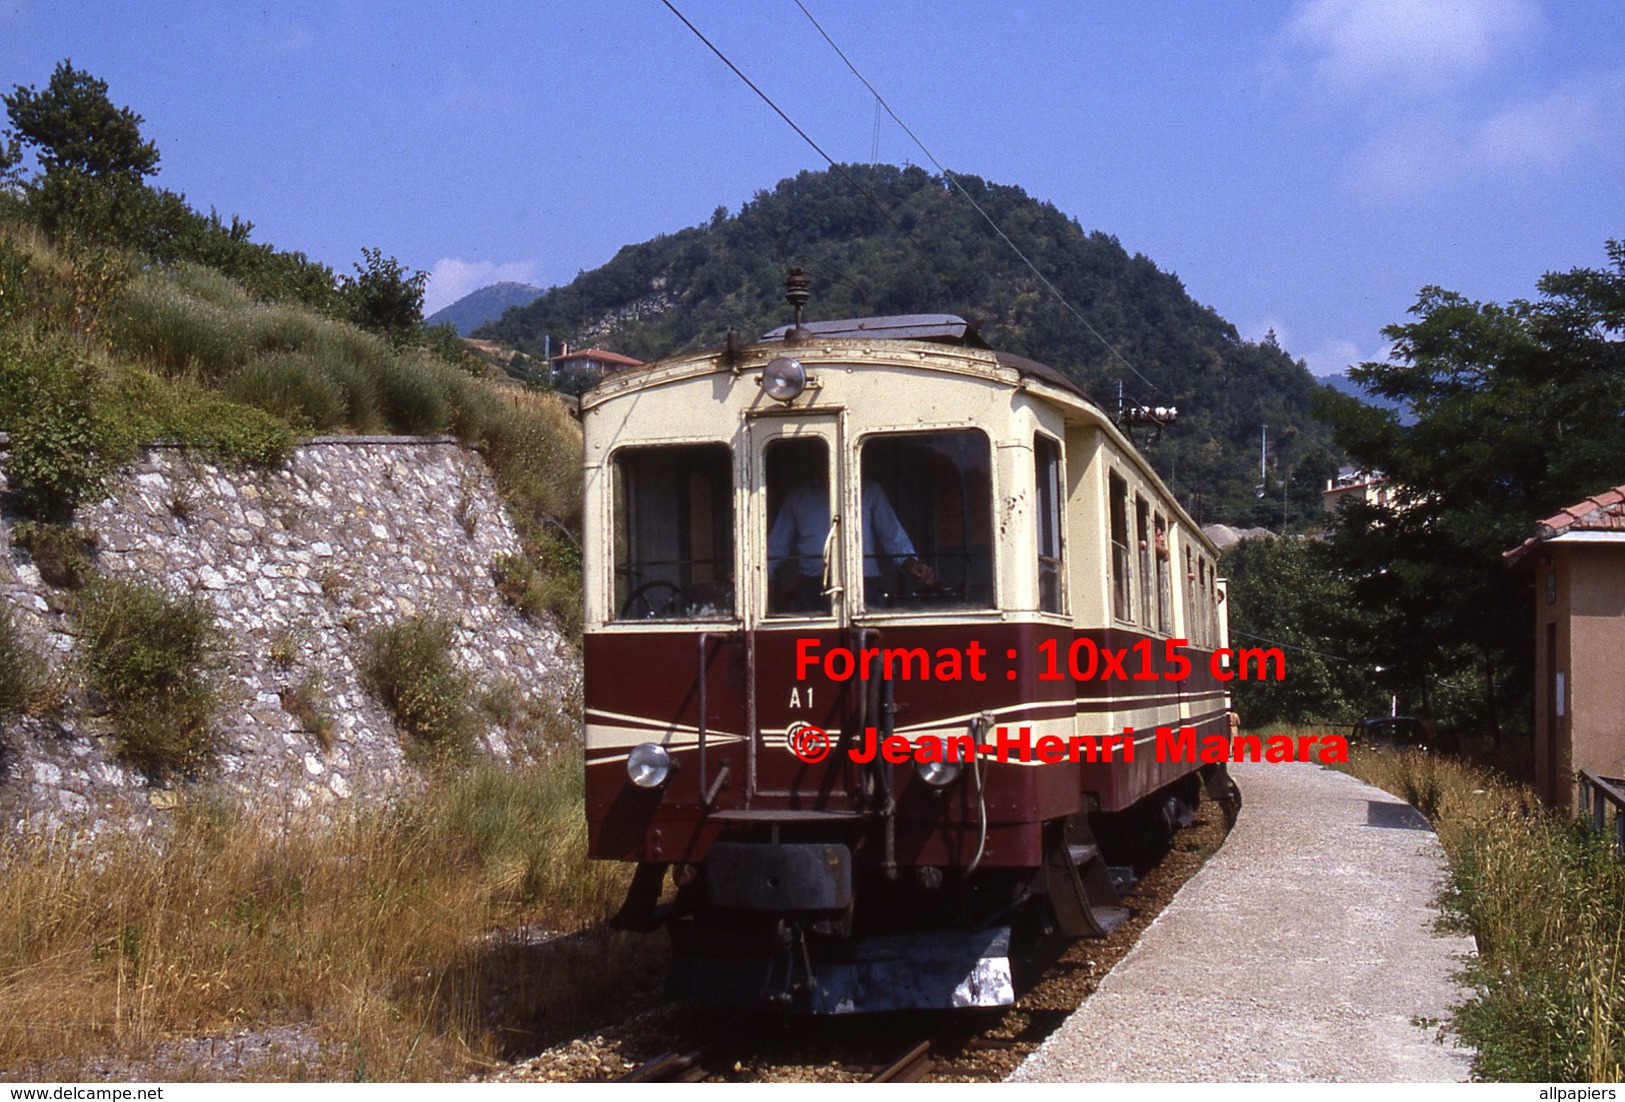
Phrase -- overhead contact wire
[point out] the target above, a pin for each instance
(859, 188)
(949, 176)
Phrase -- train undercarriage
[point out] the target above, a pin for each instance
(791, 912)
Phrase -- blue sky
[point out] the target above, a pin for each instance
(1306, 165)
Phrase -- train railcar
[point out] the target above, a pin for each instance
(858, 531)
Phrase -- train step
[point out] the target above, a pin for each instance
(1082, 890)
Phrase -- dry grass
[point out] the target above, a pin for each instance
(375, 933)
(1546, 902)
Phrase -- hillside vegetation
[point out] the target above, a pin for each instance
(687, 289)
(126, 317)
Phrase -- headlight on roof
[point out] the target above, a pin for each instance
(648, 765)
(784, 379)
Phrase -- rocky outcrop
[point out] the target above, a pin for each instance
(299, 563)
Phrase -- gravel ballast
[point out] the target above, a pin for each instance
(1306, 950)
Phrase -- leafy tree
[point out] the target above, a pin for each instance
(92, 191)
(74, 127)
(385, 297)
(1289, 593)
(1518, 412)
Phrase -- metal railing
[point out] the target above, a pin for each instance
(1596, 794)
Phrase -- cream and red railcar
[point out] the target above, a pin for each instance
(758, 515)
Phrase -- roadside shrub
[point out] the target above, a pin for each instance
(409, 666)
(1543, 898)
(234, 432)
(151, 658)
(413, 395)
(207, 284)
(290, 385)
(61, 554)
(547, 584)
(61, 448)
(21, 671)
(157, 321)
(306, 702)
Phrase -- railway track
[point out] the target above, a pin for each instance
(906, 1049)
(706, 1057)
(692, 1062)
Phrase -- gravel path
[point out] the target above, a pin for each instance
(1304, 951)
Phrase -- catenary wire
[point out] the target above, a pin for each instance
(861, 190)
(881, 100)
(1289, 646)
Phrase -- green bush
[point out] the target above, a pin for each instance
(158, 322)
(61, 554)
(290, 385)
(21, 671)
(146, 408)
(208, 285)
(409, 666)
(549, 583)
(413, 393)
(236, 433)
(151, 658)
(61, 448)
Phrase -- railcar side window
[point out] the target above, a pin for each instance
(1190, 597)
(1164, 596)
(798, 534)
(1142, 515)
(1122, 585)
(927, 521)
(674, 533)
(1047, 473)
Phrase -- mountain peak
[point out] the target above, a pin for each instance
(485, 305)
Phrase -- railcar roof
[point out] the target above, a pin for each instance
(940, 329)
(944, 331)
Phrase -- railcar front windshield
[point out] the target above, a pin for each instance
(927, 521)
(674, 533)
(800, 529)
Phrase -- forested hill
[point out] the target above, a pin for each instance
(687, 289)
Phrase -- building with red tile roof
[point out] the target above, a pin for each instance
(1578, 558)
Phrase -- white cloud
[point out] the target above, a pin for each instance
(450, 279)
(1334, 355)
(1387, 49)
(1548, 131)
(1535, 136)
(1431, 93)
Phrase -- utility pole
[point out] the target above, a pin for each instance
(1263, 462)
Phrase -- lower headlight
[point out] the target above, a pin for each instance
(940, 774)
(648, 765)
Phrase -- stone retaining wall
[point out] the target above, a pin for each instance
(300, 563)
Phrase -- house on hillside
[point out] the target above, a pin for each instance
(576, 371)
(1353, 484)
(1578, 558)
